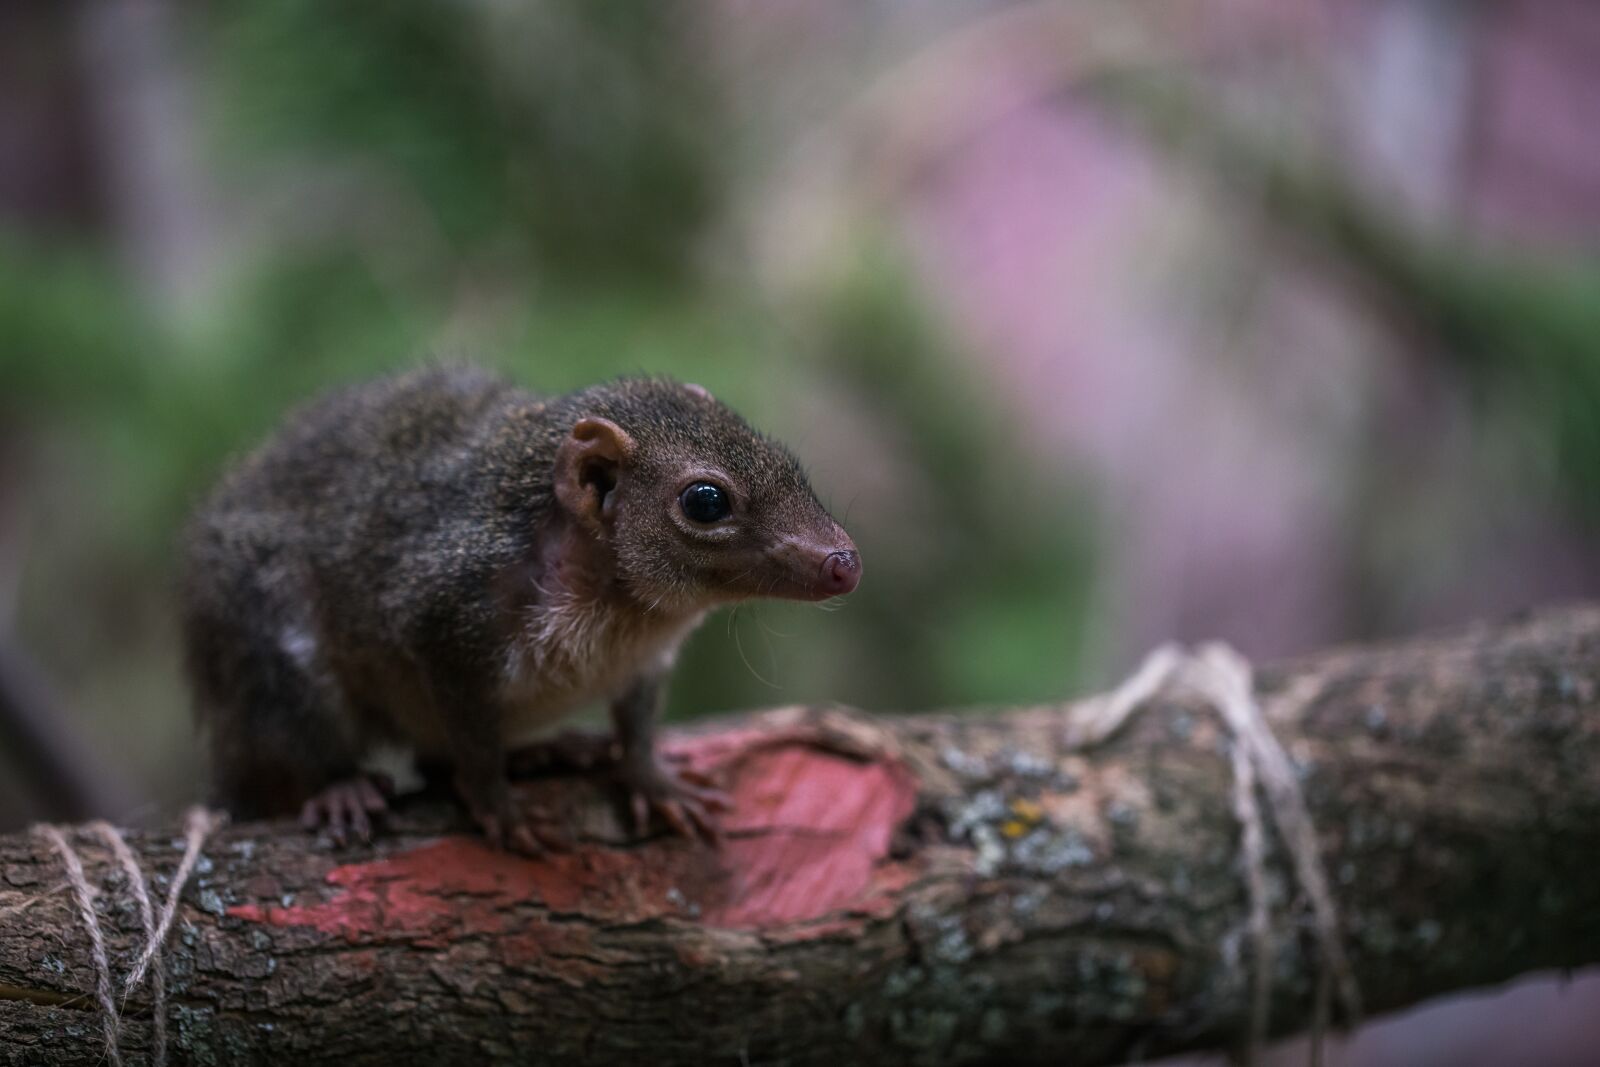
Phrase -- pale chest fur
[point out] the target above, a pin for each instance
(571, 651)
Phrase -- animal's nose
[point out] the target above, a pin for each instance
(841, 572)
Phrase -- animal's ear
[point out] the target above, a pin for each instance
(589, 465)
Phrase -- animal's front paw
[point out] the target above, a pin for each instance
(687, 801)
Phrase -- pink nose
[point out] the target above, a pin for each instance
(841, 572)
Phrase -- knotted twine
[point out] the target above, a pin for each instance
(1223, 679)
(198, 824)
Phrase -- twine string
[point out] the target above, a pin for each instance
(158, 985)
(198, 824)
(82, 896)
(1224, 680)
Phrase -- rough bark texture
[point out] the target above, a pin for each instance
(931, 889)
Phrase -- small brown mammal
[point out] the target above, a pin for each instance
(444, 561)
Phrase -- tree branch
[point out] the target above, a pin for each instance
(931, 889)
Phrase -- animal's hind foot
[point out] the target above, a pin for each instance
(345, 808)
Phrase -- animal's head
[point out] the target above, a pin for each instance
(696, 507)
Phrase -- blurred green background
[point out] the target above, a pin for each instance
(1095, 326)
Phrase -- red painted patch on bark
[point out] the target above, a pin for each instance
(805, 849)
(806, 837)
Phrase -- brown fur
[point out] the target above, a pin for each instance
(448, 561)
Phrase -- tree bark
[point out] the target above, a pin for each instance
(938, 889)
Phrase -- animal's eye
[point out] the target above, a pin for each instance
(705, 503)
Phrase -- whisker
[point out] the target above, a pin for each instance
(762, 623)
(738, 644)
(845, 518)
